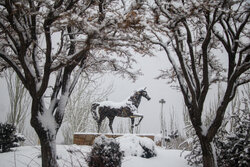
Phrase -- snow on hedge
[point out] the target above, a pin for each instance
(132, 145)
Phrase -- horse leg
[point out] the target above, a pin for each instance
(132, 125)
(111, 119)
(99, 122)
(141, 117)
(99, 126)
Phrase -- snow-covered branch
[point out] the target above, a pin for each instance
(13, 65)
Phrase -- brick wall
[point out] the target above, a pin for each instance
(88, 139)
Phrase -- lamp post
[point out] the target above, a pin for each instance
(163, 126)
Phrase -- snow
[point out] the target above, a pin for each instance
(214, 153)
(157, 138)
(117, 105)
(204, 130)
(48, 121)
(63, 101)
(164, 158)
(19, 135)
(31, 156)
(131, 144)
(99, 140)
(73, 155)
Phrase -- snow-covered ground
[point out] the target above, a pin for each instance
(74, 155)
(28, 156)
(164, 158)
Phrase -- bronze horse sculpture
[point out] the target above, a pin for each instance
(126, 108)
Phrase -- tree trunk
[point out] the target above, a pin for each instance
(48, 147)
(47, 138)
(209, 159)
(48, 150)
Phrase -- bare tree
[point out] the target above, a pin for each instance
(197, 36)
(54, 41)
(19, 101)
(78, 117)
(123, 126)
(31, 137)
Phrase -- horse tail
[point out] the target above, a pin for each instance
(94, 110)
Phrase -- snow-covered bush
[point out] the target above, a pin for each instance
(174, 140)
(234, 149)
(195, 156)
(105, 153)
(8, 138)
(147, 152)
(133, 145)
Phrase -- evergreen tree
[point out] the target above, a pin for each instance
(105, 153)
(8, 138)
(234, 149)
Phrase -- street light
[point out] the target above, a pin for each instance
(163, 126)
(162, 101)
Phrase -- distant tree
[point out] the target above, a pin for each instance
(122, 125)
(19, 101)
(31, 137)
(54, 41)
(78, 117)
(197, 36)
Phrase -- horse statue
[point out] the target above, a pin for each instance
(127, 108)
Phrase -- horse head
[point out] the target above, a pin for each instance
(144, 93)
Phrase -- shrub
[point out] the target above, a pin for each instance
(133, 145)
(147, 152)
(235, 147)
(105, 153)
(194, 158)
(8, 138)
